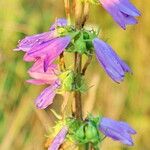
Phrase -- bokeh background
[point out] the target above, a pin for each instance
(22, 126)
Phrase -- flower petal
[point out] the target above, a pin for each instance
(36, 81)
(46, 97)
(59, 139)
(117, 130)
(50, 50)
(61, 22)
(109, 60)
(122, 11)
(28, 42)
(37, 72)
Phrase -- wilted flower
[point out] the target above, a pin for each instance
(122, 11)
(117, 130)
(110, 61)
(59, 139)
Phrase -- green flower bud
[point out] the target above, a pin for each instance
(91, 133)
(80, 134)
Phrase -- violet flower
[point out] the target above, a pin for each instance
(49, 50)
(122, 11)
(117, 130)
(40, 77)
(59, 139)
(47, 96)
(34, 40)
(110, 61)
(60, 22)
(47, 45)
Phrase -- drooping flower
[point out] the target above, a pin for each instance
(59, 139)
(110, 61)
(122, 11)
(117, 130)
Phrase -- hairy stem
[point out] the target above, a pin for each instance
(77, 103)
(77, 95)
(86, 65)
(85, 13)
(81, 15)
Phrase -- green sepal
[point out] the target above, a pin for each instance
(80, 134)
(95, 120)
(67, 80)
(80, 45)
(80, 84)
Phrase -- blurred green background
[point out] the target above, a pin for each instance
(22, 126)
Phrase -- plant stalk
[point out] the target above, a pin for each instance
(77, 103)
(67, 10)
(81, 15)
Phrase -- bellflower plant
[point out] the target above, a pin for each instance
(48, 51)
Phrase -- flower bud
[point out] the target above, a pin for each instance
(80, 134)
(91, 132)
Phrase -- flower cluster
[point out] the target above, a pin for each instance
(45, 48)
(93, 130)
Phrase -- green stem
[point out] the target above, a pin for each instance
(86, 65)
